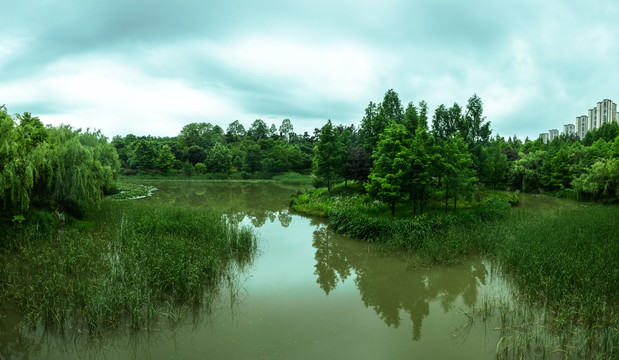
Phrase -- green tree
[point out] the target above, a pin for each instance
(601, 182)
(560, 176)
(422, 163)
(285, 129)
(411, 118)
(235, 131)
(258, 130)
(196, 154)
(458, 176)
(390, 174)
(328, 156)
(218, 159)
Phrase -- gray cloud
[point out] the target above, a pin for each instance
(535, 65)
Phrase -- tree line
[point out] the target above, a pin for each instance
(399, 159)
(200, 148)
(394, 152)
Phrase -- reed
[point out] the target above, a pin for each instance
(126, 269)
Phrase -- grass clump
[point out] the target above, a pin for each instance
(129, 269)
(293, 178)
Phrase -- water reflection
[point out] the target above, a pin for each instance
(386, 287)
(257, 202)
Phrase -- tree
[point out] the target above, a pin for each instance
(492, 165)
(389, 177)
(357, 163)
(285, 129)
(411, 118)
(218, 159)
(423, 114)
(474, 129)
(372, 125)
(196, 154)
(391, 108)
(560, 176)
(235, 131)
(458, 175)
(328, 156)
(601, 182)
(258, 130)
(422, 162)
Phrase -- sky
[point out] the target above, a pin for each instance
(152, 67)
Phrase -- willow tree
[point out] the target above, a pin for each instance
(52, 168)
(22, 159)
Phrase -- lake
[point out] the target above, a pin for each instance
(309, 293)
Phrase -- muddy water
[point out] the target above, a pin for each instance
(310, 294)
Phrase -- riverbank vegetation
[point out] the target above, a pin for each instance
(71, 260)
(129, 263)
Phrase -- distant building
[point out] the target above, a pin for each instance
(553, 133)
(544, 137)
(603, 113)
(582, 126)
(569, 129)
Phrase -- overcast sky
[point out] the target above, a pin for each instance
(151, 67)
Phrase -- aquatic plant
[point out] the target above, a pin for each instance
(125, 269)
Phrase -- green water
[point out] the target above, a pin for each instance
(310, 294)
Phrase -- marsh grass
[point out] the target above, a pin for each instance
(565, 268)
(142, 262)
(293, 178)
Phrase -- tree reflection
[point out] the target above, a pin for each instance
(257, 202)
(388, 288)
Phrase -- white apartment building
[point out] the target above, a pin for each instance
(553, 133)
(582, 126)
(544, 137)
(605, 112)
(569, 129)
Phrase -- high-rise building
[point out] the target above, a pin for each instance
(603, 113)
(552, 133)
(544, 137)
(569, 129)
(582, 126)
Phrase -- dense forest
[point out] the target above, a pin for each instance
(258, 152)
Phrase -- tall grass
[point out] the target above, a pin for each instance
(134, 264)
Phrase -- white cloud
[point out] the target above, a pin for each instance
(116, 98)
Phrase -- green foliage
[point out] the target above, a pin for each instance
(328, 156)
(601, 182)
(389, 176)
(129, 269)
(54, 167)
(456, 167)
(218, 159)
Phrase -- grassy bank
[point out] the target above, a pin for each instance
(563, 259)
(131, 263)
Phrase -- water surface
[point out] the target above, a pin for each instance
(309, 294)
